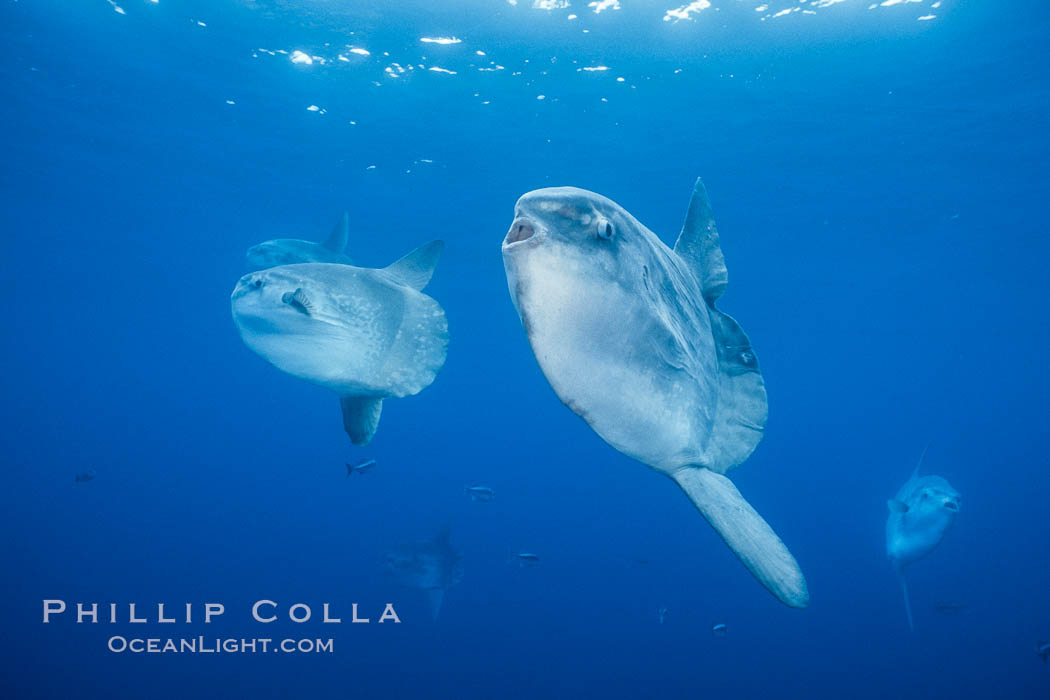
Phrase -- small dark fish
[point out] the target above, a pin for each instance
(298, 301)
(1042, 650)
(360, 467)
(719, 630)
(481, 494)
(949, 608)
(662, 612)
(526, 558)
(84, 477)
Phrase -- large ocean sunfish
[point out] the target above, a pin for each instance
(920, 515)
(366, 334)
(288, 251)
(627, 334)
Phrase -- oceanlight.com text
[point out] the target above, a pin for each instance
(217, 645)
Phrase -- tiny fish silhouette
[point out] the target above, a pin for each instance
(360, 468)
(482, 494)
(526, 558)
(84, 477)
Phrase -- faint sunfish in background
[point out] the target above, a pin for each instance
(662, 612)
(366, 334)
(289, 251)
(626, 332)
(920, 514)
(432, 566)
(1042, 649)
(481, 493)
(360, 468)
(85, 476)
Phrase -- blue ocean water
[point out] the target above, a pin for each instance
(878, 175)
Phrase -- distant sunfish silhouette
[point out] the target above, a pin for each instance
(432, 566)
(289, 251)
(920, 514)
(626, 332)
(365, 334)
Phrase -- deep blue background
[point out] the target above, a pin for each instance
(881, 188)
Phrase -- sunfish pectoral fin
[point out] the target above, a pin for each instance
(360, 417)
(746, 533)
(896, 506)
(298, 301)
(698, 245)
(337, 239)
(434, 597)
(415, 269)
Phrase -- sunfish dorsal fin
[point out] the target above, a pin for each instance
(741, 415)
(915, 473)
(698, 246)
(415, 269)
(360, 417)
(336, 240)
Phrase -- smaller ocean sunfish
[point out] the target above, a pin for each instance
(366, 334)
(288, 251)
(920, 514)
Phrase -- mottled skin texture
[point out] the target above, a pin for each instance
(626, 332)
(365, 334)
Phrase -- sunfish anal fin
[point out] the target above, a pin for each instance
(746, 533)
(360, 417)
(434, 597)
(907, 598)
(339, 236)
(415, 269)
(698, 245)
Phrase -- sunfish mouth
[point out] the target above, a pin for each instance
(952, 506)
(522, 229)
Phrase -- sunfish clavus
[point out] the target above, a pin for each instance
(366, 334)
(626, 332)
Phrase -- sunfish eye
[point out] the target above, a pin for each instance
(605, 229)
(257, 282)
